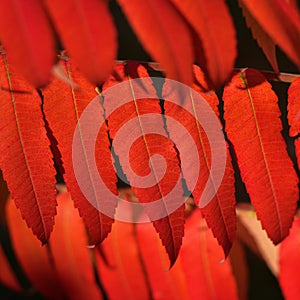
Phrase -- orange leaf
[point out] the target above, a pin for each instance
(281, 21)
(63, 106)
(206, 18)
(164, 34)
(33, 258)
(87, 31)
(207, 277)
(253, 126)
(26, 160)
(148, 141)
(27, 36)
(69, 245)
(124, 277)
(289, 263)
(220, 211)
(263, 39)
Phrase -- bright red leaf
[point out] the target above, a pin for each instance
(26, 160)
(220, 212)
(87, 31)
(71, 255)
(164, 34)
(281, 21)
(149, 141)
(63, 107)
(206, 18)
(27, 36)
(254, 128)
(34, 259)
(289, 259)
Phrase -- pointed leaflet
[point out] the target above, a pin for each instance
(164, 34)
(207, 277)
(63, 107)
(207, 18)
(142, 140)
(26, 160)
(220, 211)
(294, 107)
(253, 126)
(34, 259)
(294, 114)
(71, 256)
(27, 36)
(289, 263)
(87, 31)
(281, 21)
(263, 39)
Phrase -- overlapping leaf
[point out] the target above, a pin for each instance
(148, 141)
(71, 255)
(289, 263)
(206, 18)
(263, 39)
(294, 114)
(34, 259)
(164, 34)
(220, 212)
(26, 160)
(27, 36)
(87, 32)
(281, 21)
(253, 126)
(63, 108)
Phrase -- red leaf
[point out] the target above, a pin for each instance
(27, 36)
(220, 212)
(253, 126)
(281, 21)
(63, 107)
(33, 258)
(125, 270)
(289, 263)
(71, 255)
(166, 36)
(206, 18)
(87, 31)
(263, 39)
(206, 275)
(294, 107)
(146, 144)
(26, 160)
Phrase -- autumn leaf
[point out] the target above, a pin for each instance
(63, 107)
(220, 211)
(288, 263)
(34, 259)
(148, 142)
(165, 35)
(88, 33)
(281, 21)
(254, 128)
(26, 159)
(263, 39)
(27, 36)
(206, 18)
